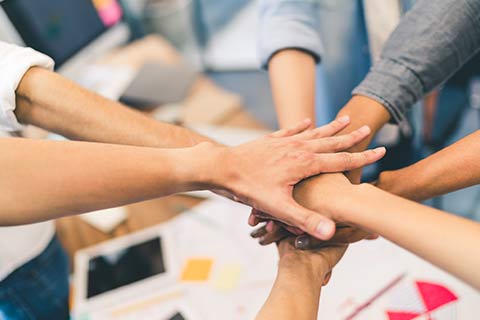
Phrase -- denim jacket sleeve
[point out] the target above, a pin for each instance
(432, 41)
(288, 24)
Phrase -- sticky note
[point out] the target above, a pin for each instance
(228, 277)
(197, 270)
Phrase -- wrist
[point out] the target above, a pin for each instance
(301, 265)
(388, 181)
(212, 167)
(329, 194)
(197, 165)
(402, 183)
(360, 206)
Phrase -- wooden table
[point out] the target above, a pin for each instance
(76, 234)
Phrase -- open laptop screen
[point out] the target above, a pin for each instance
(61, 28)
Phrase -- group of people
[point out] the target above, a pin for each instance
(302, 182)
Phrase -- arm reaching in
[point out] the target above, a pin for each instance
(292, 77)
(77, 177)
(301, 272)
(453, 168)
(448, 241)
(54, 103)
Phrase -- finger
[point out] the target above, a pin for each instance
(296, 129)
(328, 276)
(342, 236)
(294, 230)
(277, 236)
(264, 216)
(309, 221)
(339, 143)
(254, 219)
(328, 130)
(372, 236)
(345, 161)
(257, 216)
(272, 226)
(260, 232)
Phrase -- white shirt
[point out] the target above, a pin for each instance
(18, 245)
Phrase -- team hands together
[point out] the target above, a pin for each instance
(263, 174)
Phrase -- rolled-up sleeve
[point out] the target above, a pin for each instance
(431, 42)
(288, 24)
(14, 63)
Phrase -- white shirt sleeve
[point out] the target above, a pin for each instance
(14, 63)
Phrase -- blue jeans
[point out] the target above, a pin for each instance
(39, 289)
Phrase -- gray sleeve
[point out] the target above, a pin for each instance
(288, 24)
(432, 41)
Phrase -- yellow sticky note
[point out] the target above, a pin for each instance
(228, 277)
(197, 270)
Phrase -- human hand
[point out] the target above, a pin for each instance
(263, 173)
(310, 193)
(273, 232)
(322, 261)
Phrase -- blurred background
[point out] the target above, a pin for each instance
(195, 63)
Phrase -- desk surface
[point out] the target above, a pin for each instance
(76, 234)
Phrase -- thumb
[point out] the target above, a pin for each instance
(310, 221)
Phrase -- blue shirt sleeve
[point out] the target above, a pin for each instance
(288, 24)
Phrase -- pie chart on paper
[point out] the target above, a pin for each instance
(422, 300)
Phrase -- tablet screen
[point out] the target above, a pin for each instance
(125, 266)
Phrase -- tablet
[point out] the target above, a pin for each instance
(114, 271)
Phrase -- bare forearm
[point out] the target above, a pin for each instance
(453, 168)
(445, 240)
(51, 102)
(55, 179)
(292, 77)
(303, 304)
(363, 111)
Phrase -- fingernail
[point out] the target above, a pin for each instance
(344, 119)
(364, 130)
(302, 242)
(269, 226)
(255, 233)
(323, 229)
(380, 150)
(261, 241)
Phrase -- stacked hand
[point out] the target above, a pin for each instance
(264, 172)
(322, 260)
(315, 193)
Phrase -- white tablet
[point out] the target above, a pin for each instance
(115, 271)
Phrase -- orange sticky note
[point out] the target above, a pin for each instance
(197, 270)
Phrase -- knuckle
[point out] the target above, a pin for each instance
(306, 156)
(367, 156)
(309, 222)
(299, 155)
(337, 143)
(355, 136)
(346, 160)
(295, 144)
